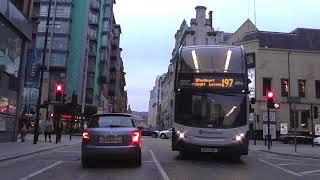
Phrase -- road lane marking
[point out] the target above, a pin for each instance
(293, 160)
(68, 151)
(283, 169)
(288, 164)
(310, 172)
(6, 163)
(41, 170)
(162, 172)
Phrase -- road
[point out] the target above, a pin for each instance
(159, 162)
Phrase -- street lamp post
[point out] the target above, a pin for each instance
(36, 126)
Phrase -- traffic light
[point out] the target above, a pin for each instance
(58, 92)
(315, 112)
(270, 99)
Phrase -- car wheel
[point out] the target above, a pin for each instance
(84, 162)
(138, 161)
(183, 155)
(163, 136)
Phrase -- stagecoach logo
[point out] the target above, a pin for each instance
(208, 132)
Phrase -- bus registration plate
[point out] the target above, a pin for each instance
(209, 150)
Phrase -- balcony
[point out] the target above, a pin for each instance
(94, 5)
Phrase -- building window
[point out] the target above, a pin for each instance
(284, 87)
(266, 85)
(317, 88)
(304, 119)
(302, 88)
(10, 49)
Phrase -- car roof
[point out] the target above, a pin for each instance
(113, 114)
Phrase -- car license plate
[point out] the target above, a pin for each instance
(110, 139)
(209, 150)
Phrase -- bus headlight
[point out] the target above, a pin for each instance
(239, 137)
(180, 134)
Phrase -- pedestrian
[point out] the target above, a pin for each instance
(23, 128)
(48, 129)
(58, 129)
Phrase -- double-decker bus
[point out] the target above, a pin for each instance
(211, 102)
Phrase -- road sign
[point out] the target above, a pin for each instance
(272, 131)
(272, 116)
(283, 128)
(317, 129)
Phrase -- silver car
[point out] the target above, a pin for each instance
(165, 134)
(111, 135)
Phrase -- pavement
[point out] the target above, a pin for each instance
(10, 150)
(303, 150)
(159, 163)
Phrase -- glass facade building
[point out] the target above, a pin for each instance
(15, 30)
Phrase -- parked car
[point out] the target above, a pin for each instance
(149, 132)
(111, 135)
(300, 138)
(316, 141)
(166, 134)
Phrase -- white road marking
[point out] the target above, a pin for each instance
(293, 160)
(41, 170)
(283, 169)
(288, 164)
(310, 172)
(162, 172)
(68, 151)
(6, 163)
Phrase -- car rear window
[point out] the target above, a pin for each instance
(110, 121)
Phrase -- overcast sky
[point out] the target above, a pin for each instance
(148, 28)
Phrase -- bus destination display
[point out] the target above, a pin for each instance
(213, 82)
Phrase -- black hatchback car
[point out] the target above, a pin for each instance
(111, 136)
(300, 138)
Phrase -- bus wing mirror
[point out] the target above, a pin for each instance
(252, 100)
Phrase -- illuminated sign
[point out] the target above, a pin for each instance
(211, 81)
(227, 83)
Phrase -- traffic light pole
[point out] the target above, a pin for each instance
(36, 126)
(268, 109)
(312, 128)
(295, 127)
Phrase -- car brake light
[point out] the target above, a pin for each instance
(85, 136)
(136, 138)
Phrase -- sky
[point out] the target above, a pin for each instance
(148, 29)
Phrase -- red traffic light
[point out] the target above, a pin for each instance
(270, 94)
(59, 87)
(51, 115)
